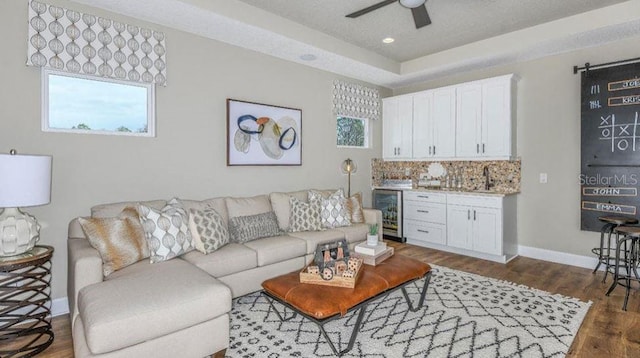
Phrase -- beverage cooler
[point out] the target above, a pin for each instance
(390, 203)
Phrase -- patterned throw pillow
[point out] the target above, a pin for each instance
(120, 240)
(303, 217)
(354, 205)
(316, 196)
(208, 230)
(247, 228)
(167, 230)
(334, 212)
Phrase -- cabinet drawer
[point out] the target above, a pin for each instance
(434, 233)
(475, 200)
(425, 196)
(429, 212)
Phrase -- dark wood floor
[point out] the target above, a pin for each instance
(607, 331)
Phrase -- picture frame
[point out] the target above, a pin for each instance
(263, 134)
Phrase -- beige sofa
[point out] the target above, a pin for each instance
(179, 308)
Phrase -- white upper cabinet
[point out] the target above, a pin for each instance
(397, 114)
(473, 120)
(484, 125)
(434, 123)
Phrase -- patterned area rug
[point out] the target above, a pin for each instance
(465, 315)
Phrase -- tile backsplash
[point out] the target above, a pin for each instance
(504, 174)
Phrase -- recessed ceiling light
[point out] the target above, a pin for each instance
(388, 40)
(308, 57)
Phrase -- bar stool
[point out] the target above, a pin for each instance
(631, 235)
(611, 222)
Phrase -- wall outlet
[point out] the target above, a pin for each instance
(407, 171)
(543, 178)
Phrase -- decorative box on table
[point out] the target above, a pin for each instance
(333, 266)
(373, 255)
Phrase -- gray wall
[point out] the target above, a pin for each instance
(548, 124)
(188, 157)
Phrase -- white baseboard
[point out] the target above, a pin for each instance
(558, 257)
(59, 306)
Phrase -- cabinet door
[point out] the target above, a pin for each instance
(496, 118)
(405, 118)
(391, 135)
(459, 226)
(423, 125)
(487, 230)
(444, 122)
(468, 118)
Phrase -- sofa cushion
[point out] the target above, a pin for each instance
(313, 238)
(113, 209)
(303, 216)
(134, 308)
(282, 207)
(227, 260)
(167, 230)
(355, 232)
(243, 229)
(208, 230)
(277, 248)
(120, 240)
(248, 206)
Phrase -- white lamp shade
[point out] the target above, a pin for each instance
(412, 3)
(25, 180)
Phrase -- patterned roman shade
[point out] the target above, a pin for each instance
(352, 100)
(71, 41)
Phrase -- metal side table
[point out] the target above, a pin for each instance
(25, 303)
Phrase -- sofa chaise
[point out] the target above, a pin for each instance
(179, 307)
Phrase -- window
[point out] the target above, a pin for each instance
(353, 132)
(75, 103)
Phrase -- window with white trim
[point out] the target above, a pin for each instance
(76, 103)
(352, 132)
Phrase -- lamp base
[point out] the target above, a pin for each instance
(19, 232)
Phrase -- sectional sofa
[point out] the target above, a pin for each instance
(179, 307)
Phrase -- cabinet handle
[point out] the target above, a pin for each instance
(482, 147)
(474, 215)
(429, 150)
(424, 211)
(468, 214)
(477, 148)
(424, 231)
(423, 196)
(398, 150)
(434, 150)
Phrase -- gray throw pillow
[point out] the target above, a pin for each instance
(247, 228)
(167, 230)
(208, 230)
(303, 216)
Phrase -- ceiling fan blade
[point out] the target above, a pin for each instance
(421, 16)
(371, 8)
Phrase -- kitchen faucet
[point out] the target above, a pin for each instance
(487, 180)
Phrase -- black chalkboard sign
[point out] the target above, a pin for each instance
(610, 144)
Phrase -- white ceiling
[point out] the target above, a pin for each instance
(464, 34)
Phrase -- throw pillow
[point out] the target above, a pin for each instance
(208, 230)
(166, 230)
(303, 217)
(119, 240)
(334, 212)
(316, 197)
(354, 205)
(247, 228)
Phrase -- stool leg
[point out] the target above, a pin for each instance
(630, 262)
(617, 266)
(602, 231)
(609, 228)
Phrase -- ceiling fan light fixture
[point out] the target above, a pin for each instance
(411, 4)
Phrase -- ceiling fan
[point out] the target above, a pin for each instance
(418, 9)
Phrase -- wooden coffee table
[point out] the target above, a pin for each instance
(323, 304)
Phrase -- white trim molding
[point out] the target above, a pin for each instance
(558, 257)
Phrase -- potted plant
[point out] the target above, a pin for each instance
(372, 236)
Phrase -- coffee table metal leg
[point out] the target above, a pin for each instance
(354, 333)
(273, 307)
(423, 294)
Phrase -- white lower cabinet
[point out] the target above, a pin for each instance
(475, 225)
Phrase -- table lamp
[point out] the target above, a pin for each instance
(25, 180)
(348, 167)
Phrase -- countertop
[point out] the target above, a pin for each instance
(494, 193)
